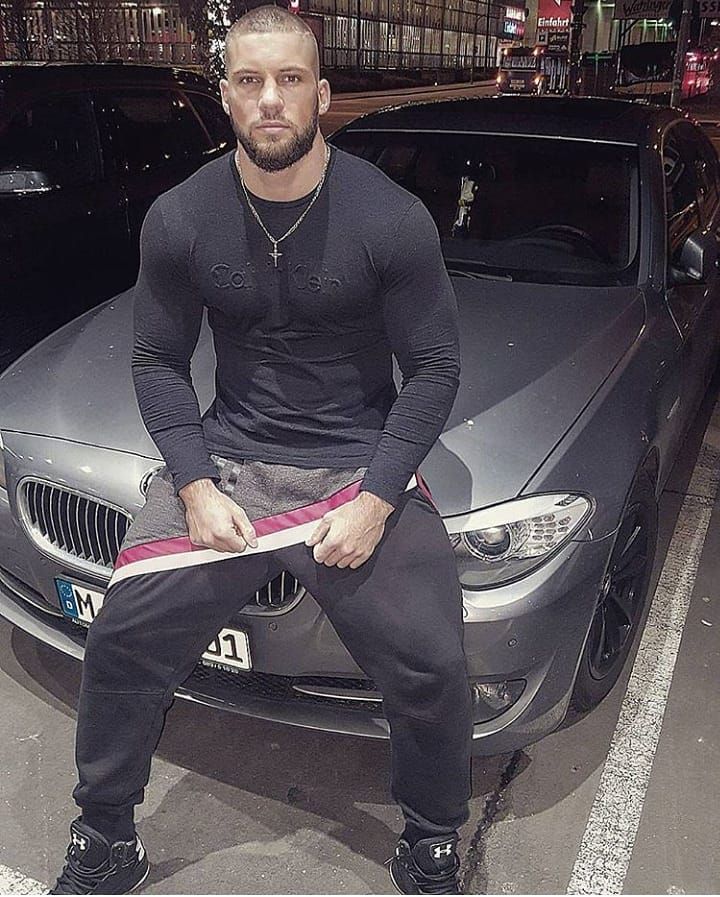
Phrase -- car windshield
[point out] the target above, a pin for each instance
(540, 210)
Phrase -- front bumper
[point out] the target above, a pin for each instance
(532, 630)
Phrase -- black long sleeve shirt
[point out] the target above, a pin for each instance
(304, 350)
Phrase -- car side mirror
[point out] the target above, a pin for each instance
(23, 180)
(698, 259)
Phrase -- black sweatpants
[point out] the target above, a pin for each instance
(399, 615)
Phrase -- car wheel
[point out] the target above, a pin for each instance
(622, 599)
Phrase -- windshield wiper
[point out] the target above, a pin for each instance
(479, 275)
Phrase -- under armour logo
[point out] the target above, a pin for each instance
(442, 850)
(79, 841)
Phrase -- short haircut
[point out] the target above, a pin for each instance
(264, 19)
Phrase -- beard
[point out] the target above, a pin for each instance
(276, 156)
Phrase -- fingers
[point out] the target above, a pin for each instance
(341, 557)
(322, 529)
(325, 554)
(229, 540)
(338, 554)
(353, 561)
(245, 528)
(336, 543)
(220, 525)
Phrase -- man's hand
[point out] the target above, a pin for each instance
(347, 536)
(214, 520)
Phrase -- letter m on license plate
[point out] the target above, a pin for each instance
(78, 602)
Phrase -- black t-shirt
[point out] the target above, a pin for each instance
(304, 350)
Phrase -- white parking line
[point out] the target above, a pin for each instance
(607, 845)
(14, 883)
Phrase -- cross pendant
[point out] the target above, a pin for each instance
(275, 254)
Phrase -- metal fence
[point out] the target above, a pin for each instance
(399, 35)
(92, 31)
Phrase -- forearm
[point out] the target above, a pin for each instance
(196, 492)
(171, 414)
(415, 421)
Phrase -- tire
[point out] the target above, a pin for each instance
(622, 599)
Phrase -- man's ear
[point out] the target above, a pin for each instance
(324, 94)
(223, 93)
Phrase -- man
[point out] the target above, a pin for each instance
(314, 268)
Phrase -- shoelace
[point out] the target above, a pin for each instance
(73, 880)
(438, 884)
(431, 883)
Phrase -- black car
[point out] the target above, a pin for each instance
(84, 150)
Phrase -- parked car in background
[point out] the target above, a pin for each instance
(521, 70)
(84, 150)
(581, 238)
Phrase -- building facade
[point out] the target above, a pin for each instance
(410, 35)
(605, 32)
(355, 35)
(94, 31)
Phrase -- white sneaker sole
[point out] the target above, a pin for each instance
(142, 880)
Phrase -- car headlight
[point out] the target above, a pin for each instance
(498, 544)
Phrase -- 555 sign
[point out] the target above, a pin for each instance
(709, 8)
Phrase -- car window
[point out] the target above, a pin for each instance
(680, 172)
(57, 136)
(705, 163)
(155, 129)
(535, 209)
(708, 175)
(215, 120)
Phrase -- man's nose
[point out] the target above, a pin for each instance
(270, 97)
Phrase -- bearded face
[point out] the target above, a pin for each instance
(273, 96)
(274, 150)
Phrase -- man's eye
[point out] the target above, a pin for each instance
(293, 77)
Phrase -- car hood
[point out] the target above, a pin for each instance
(533, 355)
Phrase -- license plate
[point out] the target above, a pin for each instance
(229, 650)
(77, 602)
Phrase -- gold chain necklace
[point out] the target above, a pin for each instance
(275, 255)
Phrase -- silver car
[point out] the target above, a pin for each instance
(581, 238)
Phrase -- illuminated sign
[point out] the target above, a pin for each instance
(641, 9)
(513, 24)
(554, 15)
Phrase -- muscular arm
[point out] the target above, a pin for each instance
(422, 324)
(167, 319)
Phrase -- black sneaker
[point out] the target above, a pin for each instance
(432, 866)
(94, 866)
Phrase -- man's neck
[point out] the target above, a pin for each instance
(291, 183)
